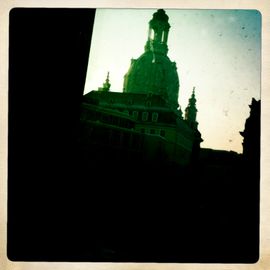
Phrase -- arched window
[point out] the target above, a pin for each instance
(163, 37)
(152, 34)
(154, 117)
(144, 116)
(135, 115)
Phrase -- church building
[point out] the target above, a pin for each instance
(145, 120)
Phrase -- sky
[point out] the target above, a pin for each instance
(216, 51)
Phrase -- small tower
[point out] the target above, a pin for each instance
(158, 33)
(191, 111)
(190, 118)
(106, 84)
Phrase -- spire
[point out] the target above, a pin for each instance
(106, 84)
(158, 33)
(191, 111)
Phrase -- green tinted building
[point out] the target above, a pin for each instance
(145, 120)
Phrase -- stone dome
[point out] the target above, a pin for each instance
(153, 71)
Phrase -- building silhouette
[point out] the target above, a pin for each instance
(251, 133)
(175, 191)
(145, 119)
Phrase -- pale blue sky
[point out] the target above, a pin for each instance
(217, 51)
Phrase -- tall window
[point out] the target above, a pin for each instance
(145, 116)
(154, 117)
(135, 115)
(162, 37)
(151, 34)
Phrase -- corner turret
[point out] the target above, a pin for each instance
(106, 84)
(191, 111)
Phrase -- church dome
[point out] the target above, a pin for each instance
(153, 71)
